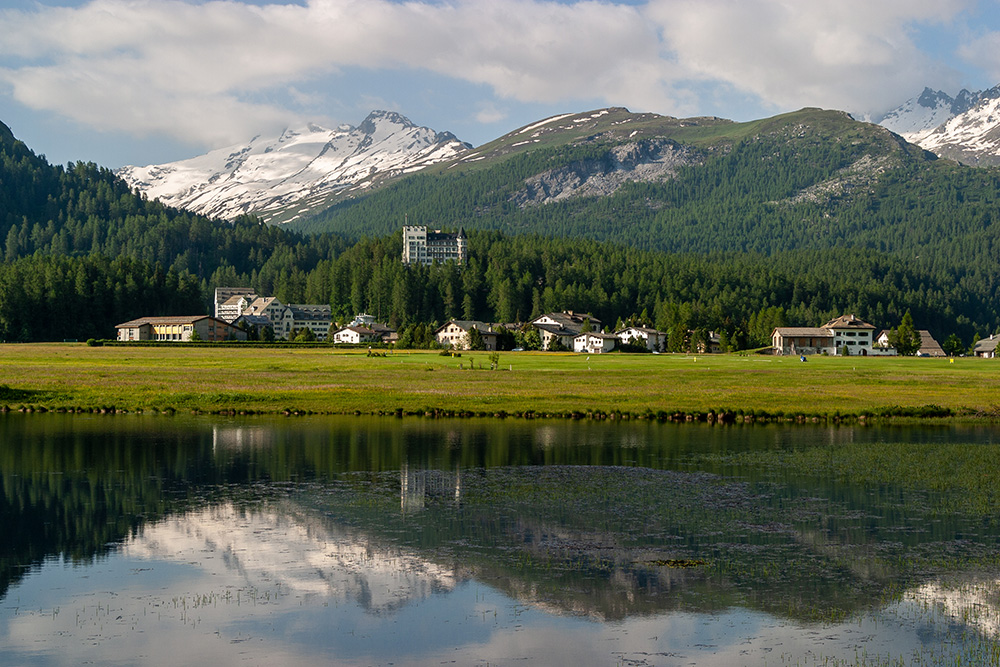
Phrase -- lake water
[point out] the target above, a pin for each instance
(142, 540)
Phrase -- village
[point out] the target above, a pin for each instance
(242, 315)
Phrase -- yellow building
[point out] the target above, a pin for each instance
(179, 328)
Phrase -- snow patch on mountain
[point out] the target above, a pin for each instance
(972, 137)
(302, 167)
(919, 116)
(964, 128)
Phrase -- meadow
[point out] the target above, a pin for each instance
(64, 376)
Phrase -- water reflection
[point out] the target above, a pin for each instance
(417, 486)
(282, 549)
(635, 527)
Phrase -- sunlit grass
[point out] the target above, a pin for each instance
(324, 380)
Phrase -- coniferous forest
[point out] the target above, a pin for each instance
(722, 247)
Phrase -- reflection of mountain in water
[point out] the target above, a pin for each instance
(572, 517)
(972, 602)
(278, 545)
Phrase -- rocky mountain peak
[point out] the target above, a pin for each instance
(932, 99)
(964, 128)
(302, 168)
(370, 124)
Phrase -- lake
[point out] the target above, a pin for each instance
(174, 540)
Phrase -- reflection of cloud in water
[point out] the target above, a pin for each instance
(975, 603)
(278, 546)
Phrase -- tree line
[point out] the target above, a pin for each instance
(82, 253)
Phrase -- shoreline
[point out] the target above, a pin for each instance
(920, 415)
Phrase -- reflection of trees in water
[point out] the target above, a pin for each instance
(568, 516)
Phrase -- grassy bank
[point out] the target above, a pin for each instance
(64, 376)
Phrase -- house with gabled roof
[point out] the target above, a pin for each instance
(355, 334)
(847, 335)
(178, 328)
(455, 334)
(929, 347)
(986, 347)
(225, 296)
(594, 342)
(563, 326)
(652, 339)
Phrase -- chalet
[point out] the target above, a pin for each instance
(455, 334)
(928, 346)
(987, 347)
(595, 342)
(179, 328)
(654, 340)
(564, 327)
(847, 335)
(356, 334)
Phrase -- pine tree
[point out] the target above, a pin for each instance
(905, 339)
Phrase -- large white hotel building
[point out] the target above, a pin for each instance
(423, 247)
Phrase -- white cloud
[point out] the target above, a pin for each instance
(489, 113)
(849, 54)
(198, 71)
(983, 51)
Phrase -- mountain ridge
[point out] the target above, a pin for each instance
(278, 177)
(965, 128)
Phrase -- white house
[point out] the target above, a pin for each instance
(653, 340)
(231, 309)
(356, 335)
(847, 335)
(564, 327)
(455, 334)
(987, 347)
(223, 296)
(594, 343)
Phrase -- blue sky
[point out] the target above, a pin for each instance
(146, 81)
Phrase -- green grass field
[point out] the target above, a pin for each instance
(58, 376)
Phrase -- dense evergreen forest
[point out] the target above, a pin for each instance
(83, 253)
(818, 181)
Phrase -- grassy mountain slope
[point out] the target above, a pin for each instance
(809, 179)
(814, 192)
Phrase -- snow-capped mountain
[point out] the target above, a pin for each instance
(919, 116)
(300, 169)
(964, 128)
(972, 137)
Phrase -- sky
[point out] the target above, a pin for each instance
(140, 82)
